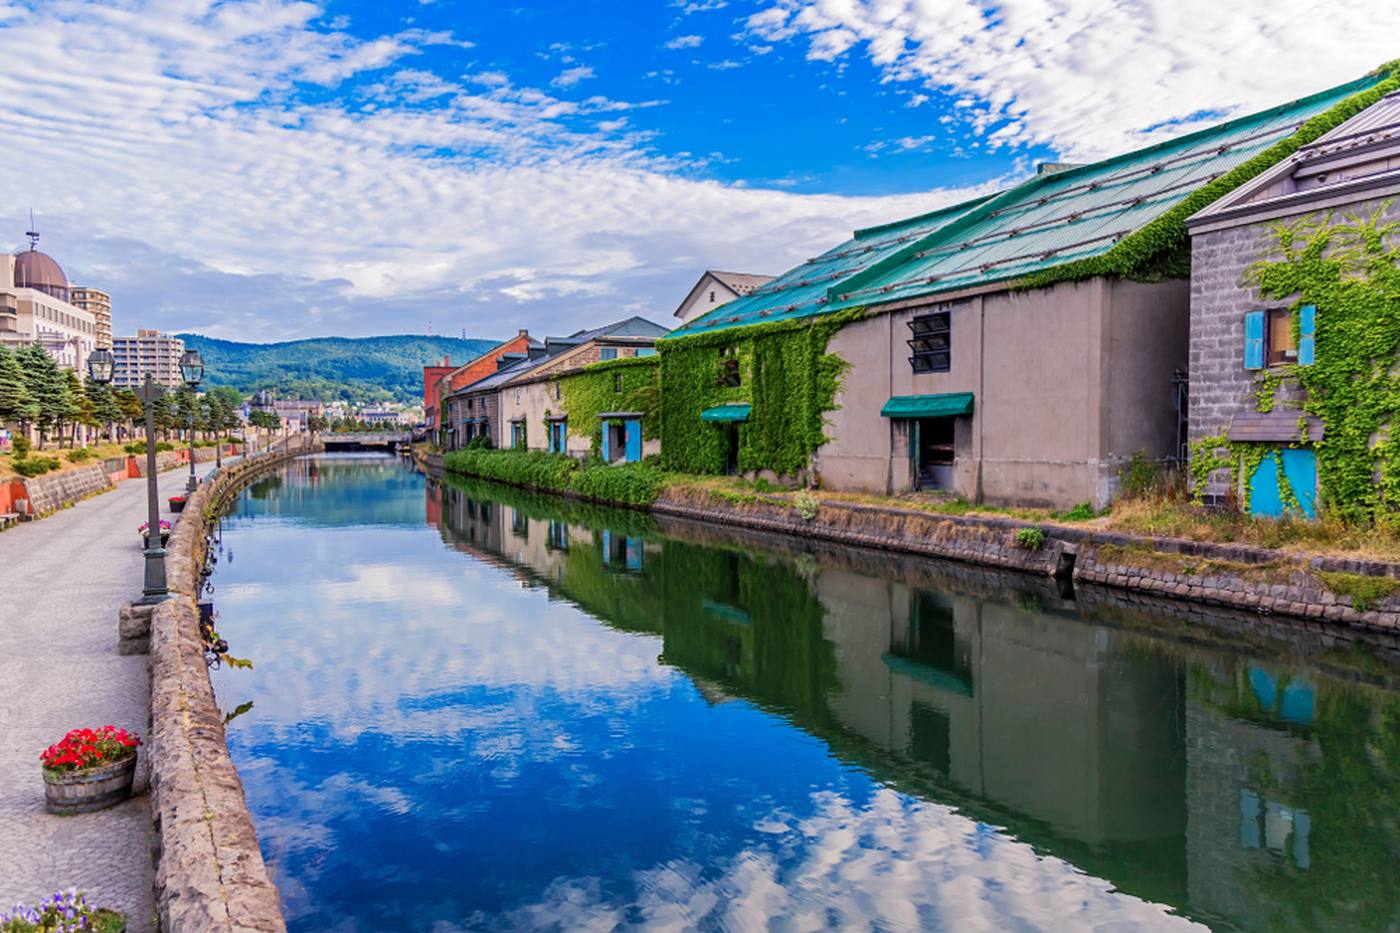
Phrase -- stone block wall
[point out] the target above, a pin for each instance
(1221, 387)
(53, 491)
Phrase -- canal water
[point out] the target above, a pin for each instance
(476, 708)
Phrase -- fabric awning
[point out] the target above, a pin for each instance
(739, 411)
(928, 406)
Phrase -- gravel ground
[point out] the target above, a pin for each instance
(64, 578)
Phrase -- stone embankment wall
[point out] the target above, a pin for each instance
(53, 491)
(1337, 591)
(210, 874)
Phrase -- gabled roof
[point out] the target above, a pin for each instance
(1359, 160)
(1047, 221)
(740, 283)
(638, 327)
(632, 328)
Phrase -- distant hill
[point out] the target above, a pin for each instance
(356, 369)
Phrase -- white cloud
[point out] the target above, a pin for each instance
(684, 42)
(1093, 77)
(571, 76)
(219, 200)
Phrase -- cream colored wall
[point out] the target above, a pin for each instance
(701, 303)
(1067, 382)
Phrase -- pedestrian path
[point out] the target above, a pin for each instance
(64, 578)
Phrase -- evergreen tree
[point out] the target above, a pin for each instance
(104, 406)
(75, 405)
(46, 385)
(132, 411)
(15, 401)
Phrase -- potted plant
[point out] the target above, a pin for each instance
(65, 910)
(144, 529)
(177, 503)
(90, 769)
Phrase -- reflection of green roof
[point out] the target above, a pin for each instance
(734, 412)
(943, 680)
(1046, 221)
(928, 406)
(726, 612)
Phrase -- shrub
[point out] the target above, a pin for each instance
(31, 467)
(1140, 477)
(80, 454)
(1029, 539)
(806, 505)
(480, 442)
(1080, 513)
(65, 910)
(1365, 591)
(21, 446)
(140, 447)
(629, 483)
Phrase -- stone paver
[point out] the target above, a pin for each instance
(65, 577)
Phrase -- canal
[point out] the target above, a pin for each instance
(472, 707)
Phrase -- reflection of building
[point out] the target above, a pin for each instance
(1179, 774)
(149, 351)
(99, 304)
(36, 307)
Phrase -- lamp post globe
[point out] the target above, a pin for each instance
(192, 371)
(101, 363)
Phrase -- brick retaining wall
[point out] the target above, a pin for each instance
(53, 491)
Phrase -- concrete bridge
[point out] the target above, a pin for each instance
(365, 440)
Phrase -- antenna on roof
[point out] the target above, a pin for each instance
(430, 327)
(32, 232)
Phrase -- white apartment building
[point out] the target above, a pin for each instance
(149, 351)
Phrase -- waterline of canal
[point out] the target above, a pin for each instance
(472, 707)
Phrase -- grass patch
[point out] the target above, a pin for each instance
(1132, 555)
(1365, 591)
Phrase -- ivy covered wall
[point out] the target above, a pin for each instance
(784, 371)
(626, 384)
(1349, 268)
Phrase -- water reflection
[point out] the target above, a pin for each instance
(604, 719)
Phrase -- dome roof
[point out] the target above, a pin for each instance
(39, 271)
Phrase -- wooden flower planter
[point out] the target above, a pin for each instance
(177, 503)
(67, 792)
(146, 539)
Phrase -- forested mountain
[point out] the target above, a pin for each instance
(356, 369)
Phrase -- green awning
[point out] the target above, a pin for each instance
(928, 406)
(738, 411)
(943, 680)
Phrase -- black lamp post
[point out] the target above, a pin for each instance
(192, 371)
(100, 366)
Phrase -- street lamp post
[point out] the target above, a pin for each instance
(100, 365)
(192, 370)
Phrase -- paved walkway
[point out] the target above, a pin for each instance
(65, 577)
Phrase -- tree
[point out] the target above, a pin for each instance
(132, 411)
(16, 404)
(76, 410)
(262, 418)
(317, 424)
(105, 407)
(46, 385)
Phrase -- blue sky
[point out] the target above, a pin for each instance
(271, 169)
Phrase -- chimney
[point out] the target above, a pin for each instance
(447, 360)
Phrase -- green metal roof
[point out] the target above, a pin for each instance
(928, 406)
(738, 411)
(1043, 222)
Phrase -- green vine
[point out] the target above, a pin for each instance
(1349, 269)
(785, 373)
(1266, 387)
(1157, 246)
(594, 390)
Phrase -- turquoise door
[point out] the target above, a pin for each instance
(607, 453)
(634, 440)
(1300, 472)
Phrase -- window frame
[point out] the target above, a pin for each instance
(1274, 317)
(926, 332)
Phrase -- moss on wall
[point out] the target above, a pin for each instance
(628, 384)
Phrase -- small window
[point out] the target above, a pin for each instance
(607, 353)
(729, 374)
(1282, 348)
(617, 382)
(557, 391)
(931, 343)
(712, 297)
(646, 351)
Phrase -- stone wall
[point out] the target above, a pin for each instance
(210, 874)
(53, 491)
(1221, 387)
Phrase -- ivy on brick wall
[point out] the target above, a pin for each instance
(1162, 247)
(785, 373)
(594, 390)
(1349, 268)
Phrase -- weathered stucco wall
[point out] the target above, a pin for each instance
(1067, 382)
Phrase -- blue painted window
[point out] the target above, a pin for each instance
(646, 351)
(1254, 340)
(607, 353)
(1307, 329)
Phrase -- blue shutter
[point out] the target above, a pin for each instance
(634, 440)
(1307, 327)
(606, 453)
(1254, 340)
